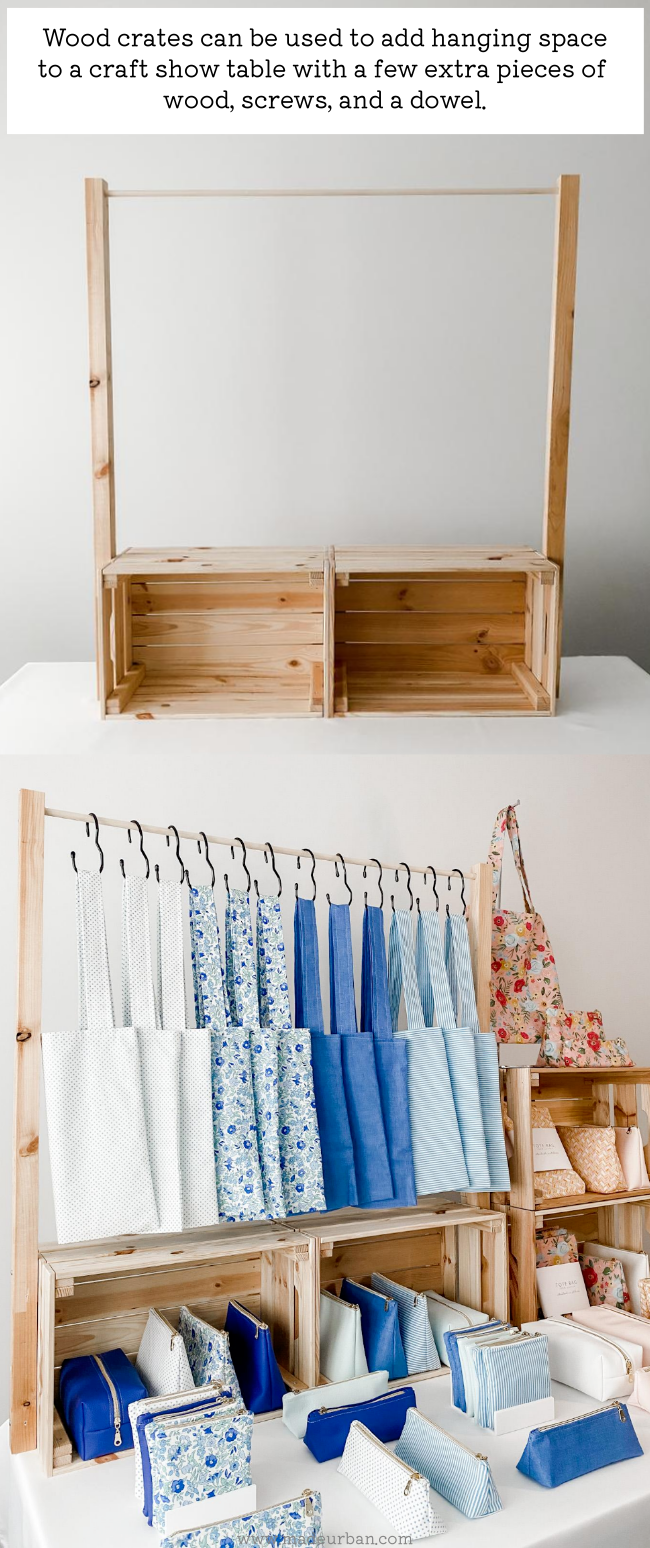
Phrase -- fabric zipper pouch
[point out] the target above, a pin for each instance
(636, 1266)
(417, 1338)
(190, 1457)
(556, 1453)
(445, 1315)
(258, 1372)
(328, 1428)
(94, 1394)
(452, 1339)
(380, 1328)
(297, 1406)
(511, 1374)
(180, 1403)
(342, 1350)
(461, 1476)
(297, 1522)
(161, 1361)
(594, 1363)
(392, 1486)
(208, 1351)
(468, 1348)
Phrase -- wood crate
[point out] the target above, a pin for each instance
(191, 632)
(584, 1096)
(458, 1250)
(96, 1297)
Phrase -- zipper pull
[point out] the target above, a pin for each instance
(621, 1415)
(411, 1481)
(479, 1456)
(309, 1503)
(117, 1439)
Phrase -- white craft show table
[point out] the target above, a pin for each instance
(604, 707)
(94, 1507)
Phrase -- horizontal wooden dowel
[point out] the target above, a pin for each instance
(323, 193)
(225, 843)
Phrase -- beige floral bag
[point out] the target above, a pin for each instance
(592, 1151)
(524, 988)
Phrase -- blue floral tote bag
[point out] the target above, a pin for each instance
(241, 981)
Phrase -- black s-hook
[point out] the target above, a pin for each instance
(274, 869)
(97, 844)
(456, 872)
(179, 857)
(372, 861)
(243, 861)
(403, 866)
(345, 878)
(135, 824)
(309, 852)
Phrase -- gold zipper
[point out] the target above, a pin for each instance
(440, 1301)
(379, 1444)
(478, 1454)
(246, 1313)
(387, 1299)
(307, 1495)
(117, 1417)
(629, 1368)
(558, 1423)
(167, 1324)
(395, 1392)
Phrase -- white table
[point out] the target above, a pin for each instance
(604, 707)
(96, 1506)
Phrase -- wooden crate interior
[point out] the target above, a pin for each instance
(415, 635)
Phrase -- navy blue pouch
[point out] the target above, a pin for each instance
(556, 1453)
(453, 1357)
(380, 1329)
(328, 1428)
(94, 1396)
(253, 1357)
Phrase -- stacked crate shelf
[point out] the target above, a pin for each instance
(573, 1096)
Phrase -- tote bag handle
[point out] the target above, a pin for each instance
(329, 1090)
(343, 1010)
(241, 969)
(375, 1003)
(506, 822)
(138, 998)
(207, 967)
(309, 1004)
(402, 972)
(459, 970)
(171, 965)
(433, 982)
(272, 986)
(95, 996)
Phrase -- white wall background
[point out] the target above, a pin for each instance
(586, 838)
(324, 372)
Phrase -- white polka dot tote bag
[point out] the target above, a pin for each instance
(395, 1488)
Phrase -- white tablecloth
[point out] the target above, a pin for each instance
(604, 707)
(95, 1507)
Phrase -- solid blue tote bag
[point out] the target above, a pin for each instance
(438, 1157)
(391, 1058)
(329, 1091)
(371, 1163)
(461, 982)
(459, 1044)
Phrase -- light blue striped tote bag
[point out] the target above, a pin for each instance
(461, 980)
(419, 1343)
(459, 1044)
(461, 1476)
(510, 1374)
(438, 1158)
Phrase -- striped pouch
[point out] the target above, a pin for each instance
(461, 1476)
(511, 1374)
(415, 1328)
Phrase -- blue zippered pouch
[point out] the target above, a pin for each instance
(556, 1453)
(201, 1404)
(451, 1345)
(380, 1329)
(328, 1429)
(96, 1417)
(253, 1357)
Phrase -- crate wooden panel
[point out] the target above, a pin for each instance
(449, 631)
(458, 1250)
(96, 1297)
(193, 632)
(573, 1096)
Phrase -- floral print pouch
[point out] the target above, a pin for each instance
(605, 1282)
(575, 1039)
(553, 1247)
(524, 988)
(193, 1459)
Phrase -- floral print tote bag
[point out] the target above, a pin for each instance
(524, 988)
(241, 981)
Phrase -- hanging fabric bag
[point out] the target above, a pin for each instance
(99, 1155)
(241, 981)
(331, 1107)
(391, 1058)
(198, 1176)
(300, 1152)
(461, 981)
(239, 1180)
(524, 988)
(438, 1157)
(160, 1054)
(459, 1046)
(371, 1163)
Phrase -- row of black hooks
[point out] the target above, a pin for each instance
(268, 851)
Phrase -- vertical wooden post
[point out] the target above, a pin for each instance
(523, 1281)
(24, 1287)
(329, 620)
(101, 418)
(559, 392)
(480, 934)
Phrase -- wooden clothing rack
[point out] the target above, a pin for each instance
(305, 631)
(73, 1299)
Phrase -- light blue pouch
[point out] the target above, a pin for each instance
(461, 1476)
(295, 1522)
(418, 1340)
(190, 1459)
(510, 1374)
